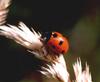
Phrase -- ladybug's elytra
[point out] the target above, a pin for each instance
(57, 43)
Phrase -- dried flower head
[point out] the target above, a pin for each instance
(29, 39)
(32, 41)
(57, 70)
(81, 76)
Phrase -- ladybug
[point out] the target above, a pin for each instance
(57, 43)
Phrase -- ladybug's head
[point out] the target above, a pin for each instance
(57, 42)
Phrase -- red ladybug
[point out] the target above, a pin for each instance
(57, 43)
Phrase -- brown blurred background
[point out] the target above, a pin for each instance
(77, 19)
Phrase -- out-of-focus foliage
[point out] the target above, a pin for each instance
(85, 41)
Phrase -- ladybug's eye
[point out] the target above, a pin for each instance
(60, 43)
(54, 35)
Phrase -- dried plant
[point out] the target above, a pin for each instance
(33, 42)
(59, 72)
(29, 39)
(56, 66)
(81, 76)
(4, 4)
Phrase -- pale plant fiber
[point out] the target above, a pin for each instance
(29, 39)
(4, 4)
(32, 40)
(57, 70)
(81, 76)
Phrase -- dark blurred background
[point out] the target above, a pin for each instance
(78, 20)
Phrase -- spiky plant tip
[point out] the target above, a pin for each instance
(81, 75)
(28, 38)
(21, 35)
(57, 70)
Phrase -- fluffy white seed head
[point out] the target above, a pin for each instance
(22, 35)
(81, 75)
(29, 39)
(57, 70)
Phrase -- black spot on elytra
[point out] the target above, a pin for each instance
(61, 42)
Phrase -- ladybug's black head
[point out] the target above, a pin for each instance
(46, 36)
